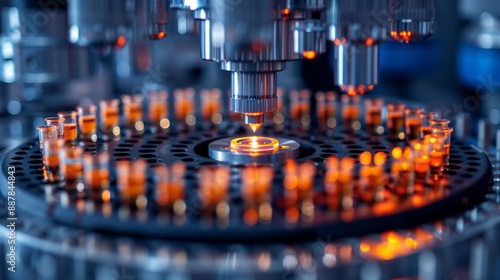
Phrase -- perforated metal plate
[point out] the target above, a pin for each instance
(466, 181)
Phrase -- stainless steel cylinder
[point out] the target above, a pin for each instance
(411, 20)
(309, 38)
(355, 28)
(253, 89)
(356, 67)
(157, 18)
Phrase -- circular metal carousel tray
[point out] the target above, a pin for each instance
(466, 180)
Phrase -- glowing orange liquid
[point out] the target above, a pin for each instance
(73, 171)
(52, 161)
(70, 132)
(133, 113)
(97, 179)
(183, 108)
(135, 187)
(413, 128)
(425, 130)
(87, 124)
(157, 111)
(421, 164)
(212, 193)
(294, 111)
(374, 116)
(210, 107)
(110, 117)
(436, 159)
(168, 193)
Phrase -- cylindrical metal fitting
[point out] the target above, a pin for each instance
(355, 27)
(157, 18)
(411, 20)
(356, 67)
(253, 92)
(309, 38)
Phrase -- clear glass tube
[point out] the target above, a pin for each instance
(71, 164)
(436, 155)
(445, 133)
(87, 122)
(184, 105)
(412, 123)
(51, 159)
(373, 115)
(421, 158)
(213, 186)
(131, 179)
(158, 109)
(132, 111)
(395, 124)
(96, 173)
(350, 112)
(169, 185)
(69, 120)
(425, 123)
(110, 117)
(46, 132)
(210, 105)
(57, 122)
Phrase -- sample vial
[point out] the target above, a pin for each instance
(395, 124)
(69, 119)
(88, 122)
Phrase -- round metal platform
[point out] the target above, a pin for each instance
(467, 179)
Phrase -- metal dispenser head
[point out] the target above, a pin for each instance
(411, 20)
(355, 31)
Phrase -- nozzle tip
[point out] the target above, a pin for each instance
(254, 121)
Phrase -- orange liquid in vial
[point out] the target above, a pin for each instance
(157, 111)
(436, 159)
(210, 107)
(136, 186)
(183, 108)
(421, 165)
(373, 117)
(169, 192)
(70, 132)
(395, 125)
(97, 179)
(73, 171)
(87, 124)
(110, 117)
(413, 130)
(52, 161)
(425, 130)
(212, 194)
(133, 113)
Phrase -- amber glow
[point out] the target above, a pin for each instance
(70, 132)
(121, 42)
(309, 54)
(254, 145)
(169, 183)
(256, 184)
(369, 41)
(379, 158)
(397, 152)
(213, 185)
(88, 124)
